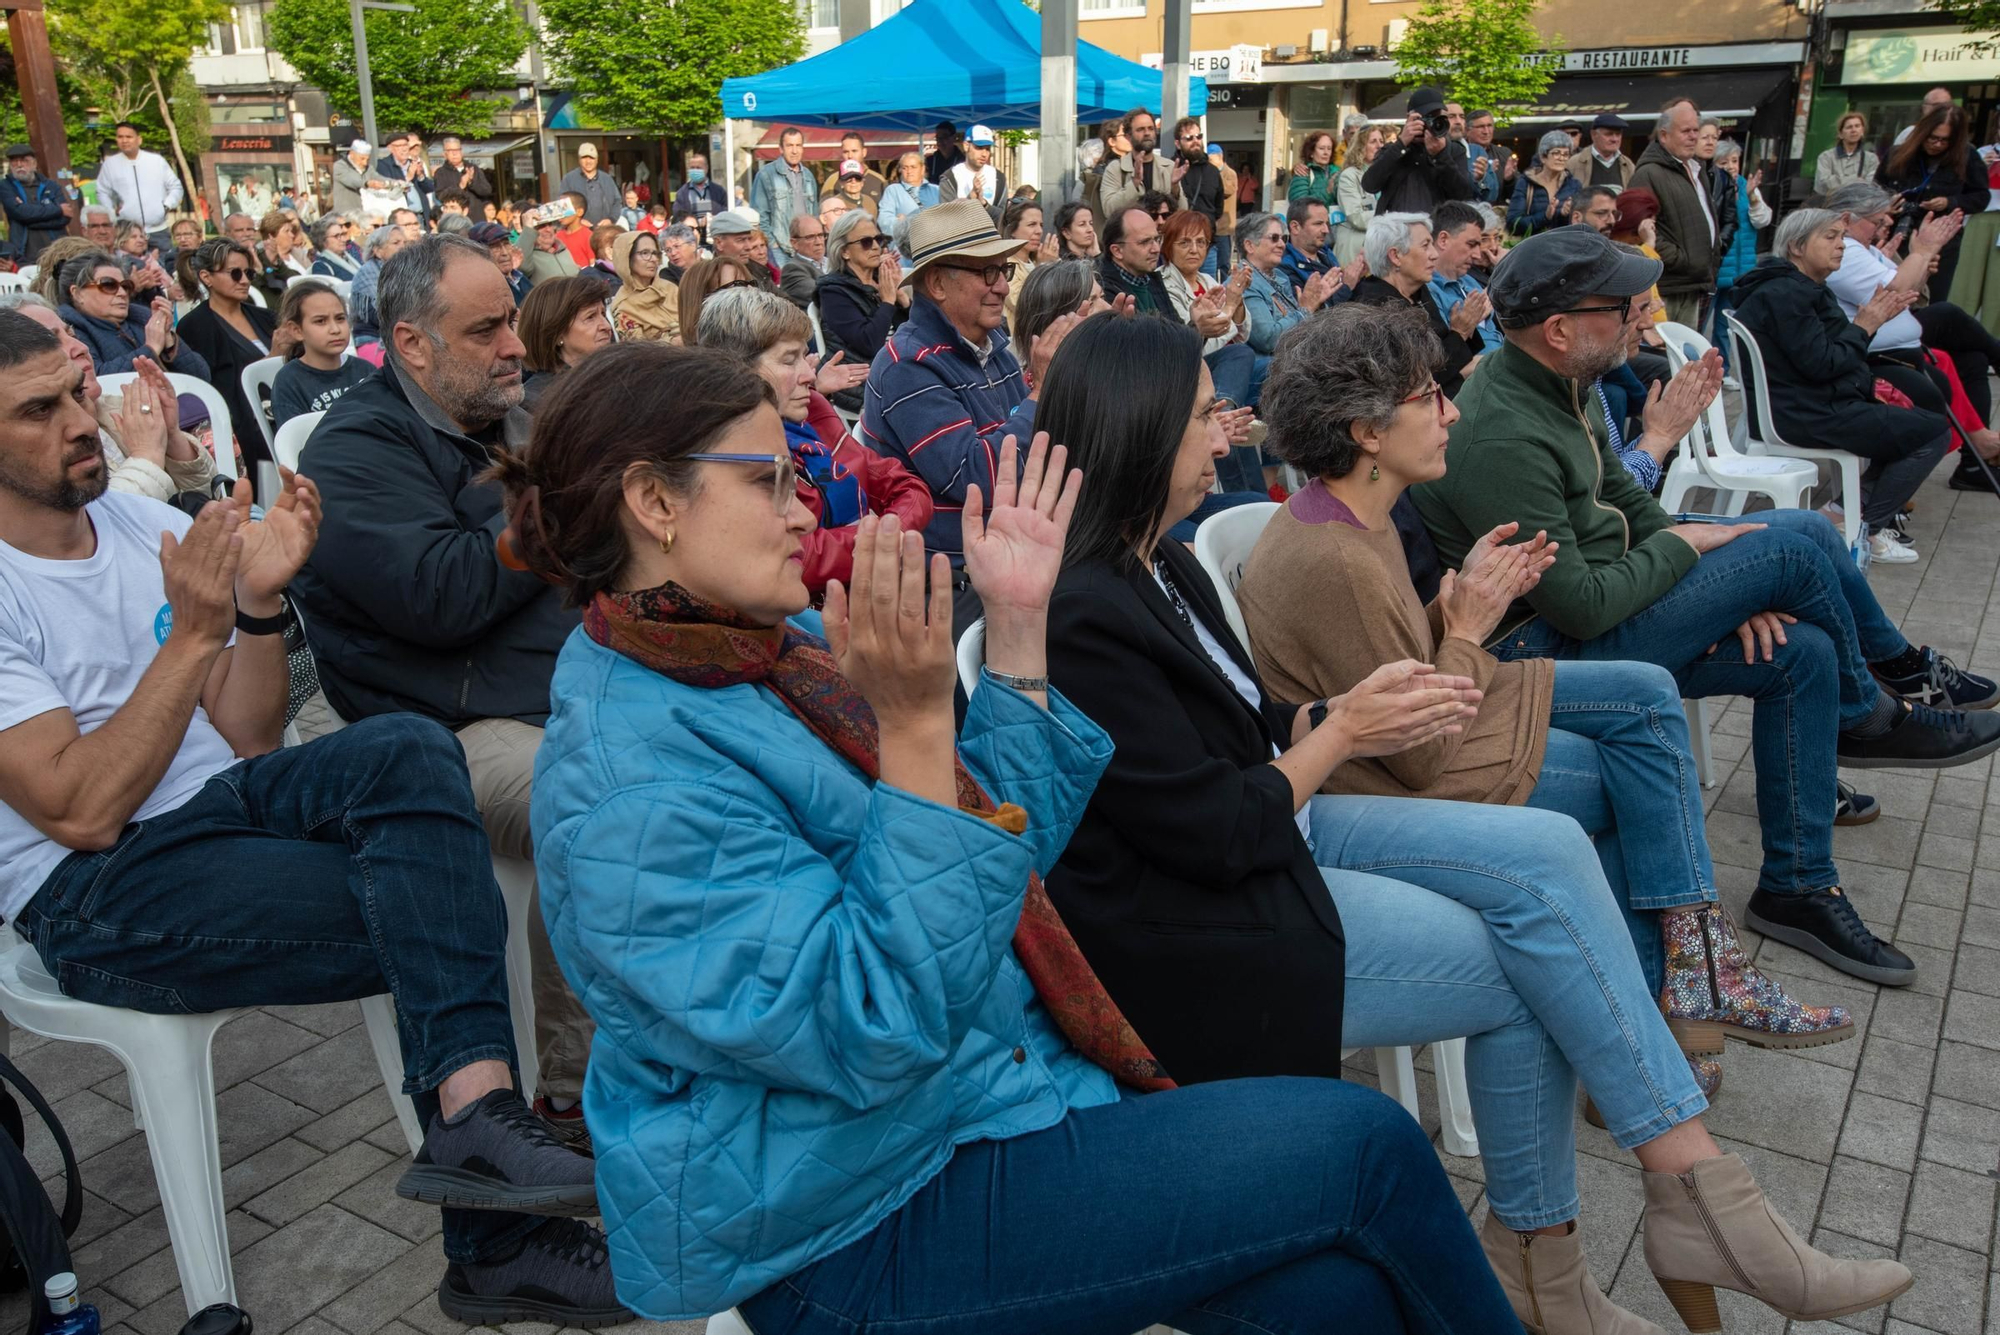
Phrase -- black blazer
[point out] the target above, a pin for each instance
(1188, 885)
(227, 353)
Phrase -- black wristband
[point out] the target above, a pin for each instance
(1316, 713)
(271, 625)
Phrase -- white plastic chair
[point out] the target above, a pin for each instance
(1749, 361)
(30, 271)
(1715, 460)
(292, 436)
(1222, 545)
(257, 297)
(258, 378)
(211, 399)
(13, 282)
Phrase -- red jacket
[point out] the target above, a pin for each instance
(889, 487)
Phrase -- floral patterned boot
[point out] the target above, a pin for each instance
(1713, 991)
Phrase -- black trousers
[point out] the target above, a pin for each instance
(1973, 352)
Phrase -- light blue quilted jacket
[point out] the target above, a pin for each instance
(804, 984)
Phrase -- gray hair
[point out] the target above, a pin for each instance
(449, 140)
(1391, 231)
(680, 232)
(1707, 121)
(1725, 149)
(1354, 122)
(379, 238)
(83, 218)
(454, 224)
(1860, 198)
(317, 232)
(1250, 227)
(1489, 217)
(1052, 291)
(837, 236)
(79, 268)
(1554, 139)
(749, 322)
(1344, 367)
(1798, 227)
(15, 300)
(408, 290)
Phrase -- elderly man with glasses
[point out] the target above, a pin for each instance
(947, 389)
(1774, 610)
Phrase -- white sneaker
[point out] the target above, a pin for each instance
(1732, 385)
(1883, 546)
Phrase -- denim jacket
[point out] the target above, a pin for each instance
(803, 981)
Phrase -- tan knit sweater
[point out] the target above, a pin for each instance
(1326, 604)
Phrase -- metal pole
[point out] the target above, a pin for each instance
(1174, 45)
(361, 75)
(1058, 153)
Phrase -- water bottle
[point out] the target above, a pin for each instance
(1862, 552)
(67, 1316)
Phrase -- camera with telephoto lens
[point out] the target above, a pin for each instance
(1436, 124)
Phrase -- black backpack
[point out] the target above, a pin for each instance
(37, 1234)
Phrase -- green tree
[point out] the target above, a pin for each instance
(427, 67)
(126, 55)
(658, 67)
(1981, 17)
(1481, 51)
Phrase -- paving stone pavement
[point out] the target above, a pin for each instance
(1889, 1143)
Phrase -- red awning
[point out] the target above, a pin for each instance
(823, 145)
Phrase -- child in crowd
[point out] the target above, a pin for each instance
(317, 372)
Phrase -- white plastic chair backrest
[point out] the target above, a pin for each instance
(971, 655)
(1222, 545)
(812, 318)
(258, 378)
(211, 398)
(257, 297)
(1750, 370)
(29, 271)
(1712, 430)
(13, 282)
(292, 436)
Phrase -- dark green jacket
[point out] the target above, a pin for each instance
(1526, 450)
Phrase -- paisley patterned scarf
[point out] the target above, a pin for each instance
(698, 643)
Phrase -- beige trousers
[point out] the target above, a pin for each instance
(500, 753)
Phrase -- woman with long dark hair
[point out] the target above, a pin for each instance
(1934, 171)
(851, 1071)
(1076, 232)
(229, 331)
(1247, 925)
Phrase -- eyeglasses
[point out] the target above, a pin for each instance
(989, 274)
(1191, 137)
(111, 287)
(867, 242)
(234, 275)
(782, 487)
(1622, 309)
(1433, 391)
(741, 282)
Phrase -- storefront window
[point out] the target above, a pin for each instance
(251, 187)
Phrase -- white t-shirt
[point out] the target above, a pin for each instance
(1862, 270)
(77, 635)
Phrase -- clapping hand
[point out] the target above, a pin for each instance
(1884, 306)
(200, 570)
(1401, 705)
(180, 445)
(834, 377)
(1674, 406)
(1042, 350)
(1474, 599)
(1014, 551)
(1208, 317)
(1935, 233)
(275, 546)
(891, 639)
(1465, 316)
(1124, 304)
(146, 420)
(1236, 424)
(1317, 289)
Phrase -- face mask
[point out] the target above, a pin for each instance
(696, 175)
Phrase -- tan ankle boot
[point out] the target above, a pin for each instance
(1711, 1228)
(1544, 1277)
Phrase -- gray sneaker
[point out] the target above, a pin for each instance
(497, 1155)
(559, 1274)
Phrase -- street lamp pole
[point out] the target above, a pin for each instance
(354, 8)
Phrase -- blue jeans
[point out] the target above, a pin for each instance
(1816, 684)
(345, 868)
(1244, 1205)
(1495, 924)
(1216, 263)
(1238, 373)
(1618, 764)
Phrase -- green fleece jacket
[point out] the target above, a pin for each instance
(1525, 449)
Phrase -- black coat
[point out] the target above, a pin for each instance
(227, 352)
(1410, 180)
(1963, 183)
(1187, 884)
(406, 604)
(468, 178)
(1459, 349)
(1722, 202)
(854, 317)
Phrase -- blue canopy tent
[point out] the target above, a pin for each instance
(958, 60)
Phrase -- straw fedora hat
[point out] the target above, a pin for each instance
(959, 229)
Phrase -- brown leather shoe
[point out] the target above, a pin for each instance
(1544, 1277)
(1711, 1228)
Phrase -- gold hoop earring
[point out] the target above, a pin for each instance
(1374, 473)
(667, 544)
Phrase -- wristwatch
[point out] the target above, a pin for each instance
(270, 625)
(1022, 684)
(1316, 713)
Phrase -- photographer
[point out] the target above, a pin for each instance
(1423, 166)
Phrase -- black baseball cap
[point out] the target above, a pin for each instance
(1559, 269)
(1426, 100)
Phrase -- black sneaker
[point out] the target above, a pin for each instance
(1943, 684)
(1899, 524)
(1924, 738)
(497, 1155)
(1853, 808)
(1969, 476)
(559, 1274)
(1825, 926)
